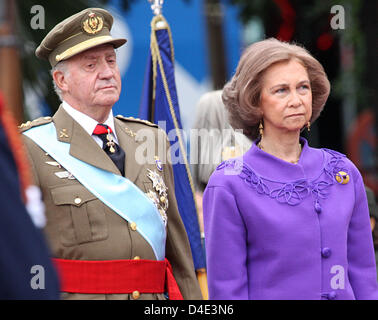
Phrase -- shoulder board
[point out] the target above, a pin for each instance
(37, 122)
(132, 119)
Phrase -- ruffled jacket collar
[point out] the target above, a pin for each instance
(316, 171)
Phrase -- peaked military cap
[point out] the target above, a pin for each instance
(82, 31)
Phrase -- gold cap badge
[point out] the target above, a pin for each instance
(93, 24)
(82, 31)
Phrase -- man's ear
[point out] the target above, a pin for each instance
(60, 79)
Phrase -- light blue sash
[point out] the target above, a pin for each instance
(115, 191)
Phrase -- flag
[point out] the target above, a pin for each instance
(159, 104)
(25, 264)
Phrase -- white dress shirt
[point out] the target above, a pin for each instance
(90, 124)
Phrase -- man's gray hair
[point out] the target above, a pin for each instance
(60, 66)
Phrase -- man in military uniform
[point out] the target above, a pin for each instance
(112, 220)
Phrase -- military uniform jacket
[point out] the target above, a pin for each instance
(87, 229)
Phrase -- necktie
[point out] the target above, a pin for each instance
(112, 149)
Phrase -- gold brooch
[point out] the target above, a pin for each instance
(93, 24)
(342, 177)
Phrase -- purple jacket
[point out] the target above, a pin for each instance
(276, 230)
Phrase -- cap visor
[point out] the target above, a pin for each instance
(89, 44)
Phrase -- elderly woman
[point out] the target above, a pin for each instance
(285, 220)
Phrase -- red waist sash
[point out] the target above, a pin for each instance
(117, 276)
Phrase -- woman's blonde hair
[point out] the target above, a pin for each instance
(241, 95)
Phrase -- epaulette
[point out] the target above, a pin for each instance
(37, 122)
(132, 119)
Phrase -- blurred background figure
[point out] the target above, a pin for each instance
(215, 141)
(212, 141)
(26, 271)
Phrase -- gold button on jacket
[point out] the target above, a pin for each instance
(133, 226)
(136, 294)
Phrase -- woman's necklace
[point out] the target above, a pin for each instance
(293, 161)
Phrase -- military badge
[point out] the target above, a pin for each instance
(164, 201)
(158, 163)
(161, 208)
(110, 143)
(24, 125)
(157, 182)
(130, 132)
(63, 133)
(65, 175)
(53, 163)
(93, 24)
(161, 199)
(153, 197)
(61, 174)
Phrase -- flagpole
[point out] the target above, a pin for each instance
(157, 9)
(159, 22)
(156, 6)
